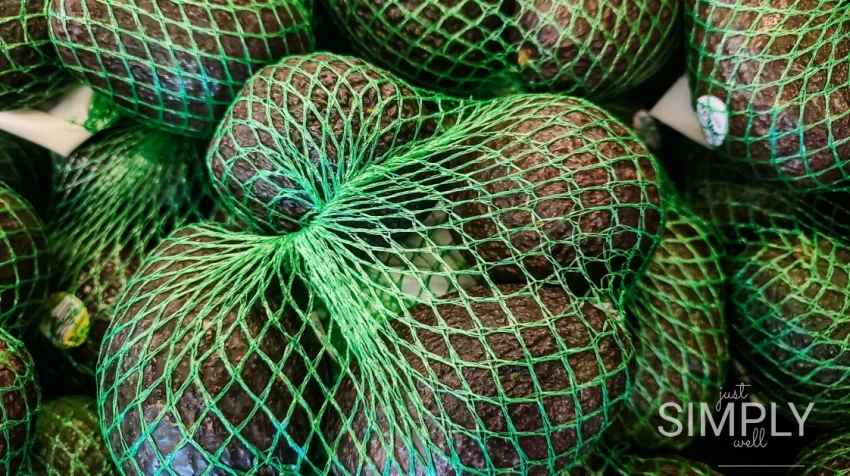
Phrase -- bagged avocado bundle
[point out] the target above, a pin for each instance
(68, 440)
(678, 311)
(116, 197)
(29, 70)
(518, 361)
(24, 262)
(767, 81)
(20, 399)
(827, 455)
(588, 48)
(176, 66)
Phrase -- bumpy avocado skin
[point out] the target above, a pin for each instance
(789, 291)
(126, 413)
(29, 71)
(20, 404)
(610, 355)
(68, 440)
(24, 262)
(592, 193)
(679, 329)
(302, 126)
(171, 65)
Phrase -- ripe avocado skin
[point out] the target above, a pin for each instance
(68, 440)
(583, 205)
(144, 362)
(826, 456)
(513, 376)
(173, 65)
(789, 291)
(20, 404)
(302, 126)
(24, 268)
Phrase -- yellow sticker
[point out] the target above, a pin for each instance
(66, 324)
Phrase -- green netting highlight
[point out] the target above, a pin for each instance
(29, 70)
(827, 455)
(788, 262)
(176, 67)
(19, 404)
(435, 286)
(24, 262)
(463, 47)
(678, 312)
(116, 197)
(68, 440)
(767, 83)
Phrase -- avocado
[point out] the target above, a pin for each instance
(24, 262)
(452, 45)
(571, 351)
(68, 440)
(768, 88)
(792, 318)
(826, 456)
(592, 48)
(172, 65)
(561, 183)
(25, 168)
(29, 70)
(20, 404)
(679, 330)
(304, 127)
(182, 364)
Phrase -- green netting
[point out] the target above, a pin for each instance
(19, 404)
(789, 269)
(176, 65)
(679, 329)
(410, 310)
(116, 197)
(24, 262)
(591, 48)
(29, 72)
(631, 112)
(25, 167)
(68, 441)
(829, 455)
(768, 79)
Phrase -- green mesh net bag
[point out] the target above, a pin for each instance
(116, 196)
(767, 81)
(19, 404)
(788, 263)
(176, 65)
(325, 345)
(679, 330)
(25, 167)
(589, 48)
(829, 455)
(29, 71)
(24, 262)
(68, 441)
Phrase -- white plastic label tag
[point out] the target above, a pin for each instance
(674, 109)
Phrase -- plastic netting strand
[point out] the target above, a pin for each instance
(68, 440)
(360, 336)
(29, 70)
(116, 197)
(592, 48)
(19, 404)
(827, 455)
(788, 262)
(176, 65)
(24, 262)
(679, 329)
(768, 80)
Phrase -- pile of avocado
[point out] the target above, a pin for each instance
(387, 237)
